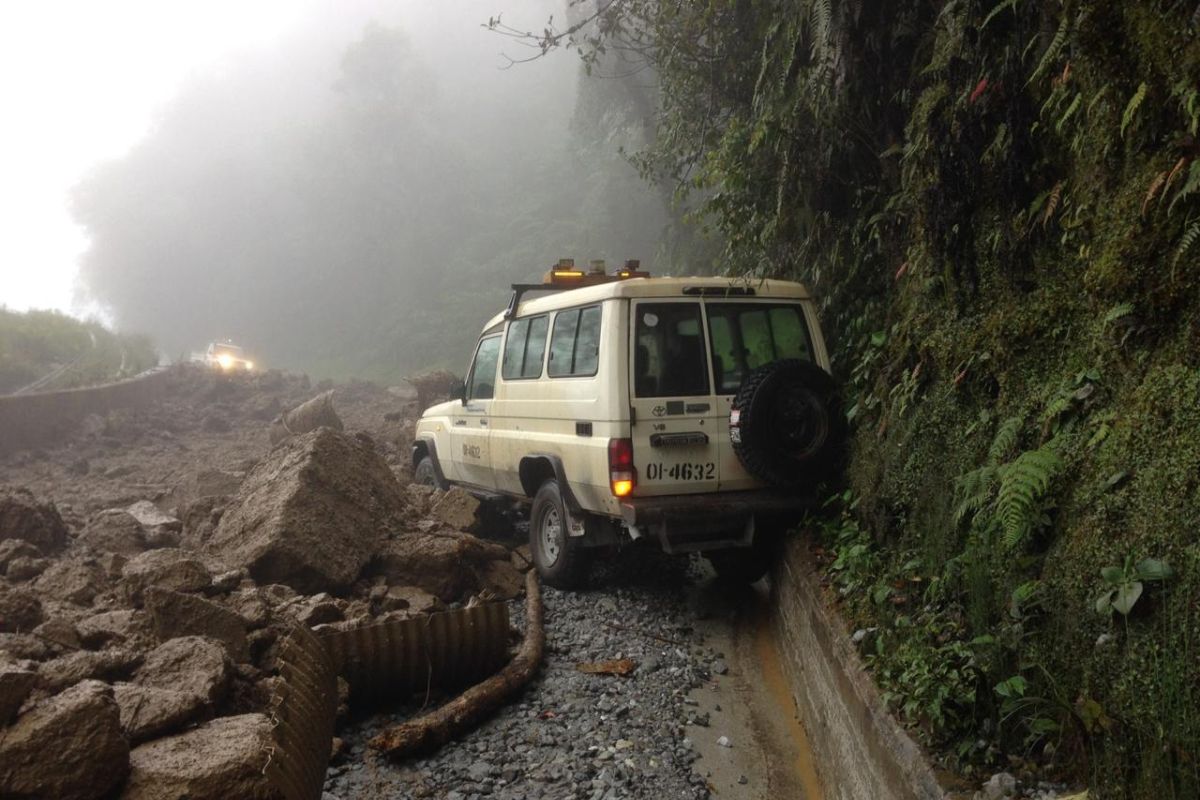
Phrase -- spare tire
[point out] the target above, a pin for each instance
(786, 424)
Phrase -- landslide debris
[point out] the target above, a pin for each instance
(149, 593)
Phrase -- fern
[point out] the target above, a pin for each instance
(1005, 439)
(1116, 312)
(1000, 7)
(1155, 185)
(1190, 237)
(1056, 46)
(1070, 112)
(1052, 202)
(1189, 188)
(1134, 104)
(974, 489)
(1023, 485)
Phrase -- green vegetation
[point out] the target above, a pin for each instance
(999, 204)
(67, 352)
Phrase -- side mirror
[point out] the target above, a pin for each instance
(458, 389)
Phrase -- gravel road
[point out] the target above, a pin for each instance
(577, 735)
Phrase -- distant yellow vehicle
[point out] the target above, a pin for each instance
(227, 357)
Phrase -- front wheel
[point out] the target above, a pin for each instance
(559, 557)
(426, 475)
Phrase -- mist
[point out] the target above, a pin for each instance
(355, 200)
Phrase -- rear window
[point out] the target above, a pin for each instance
(670, 358)
(747, 335)
(575, 343)
(524, 348)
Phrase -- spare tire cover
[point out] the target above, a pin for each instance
(786, 424)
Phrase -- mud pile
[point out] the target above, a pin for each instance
(139, 640)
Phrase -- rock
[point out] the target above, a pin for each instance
(64, 671)
(73, 581)
(22, 645)
(456, 509)
(999, 786)
(149, 516)
(312, 513)
(724, 742)
(211, 483)
(16, 548)
(320, 609)
(409, 598)
(60, 632)
(174, 614)
(251, 605)
(20, 610)
(223, 758)
(719, 667)
(115, 531)
(24, 568)
(168, 568)
(502, 579)
(80, 730)
(200, 520)
(15, 686)
(126, 625)
(190, 664)
(442, 564)
(148, 712)
(39, 524)
(112, 564)
(227, 581)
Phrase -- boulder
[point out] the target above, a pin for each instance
(23, 517)
(65, 671)
(60, 632)
(16, 548)
(190, 664)
(20, 610)
(457, 509)
(115, 531)
(443, 564)
(174, 614)
(69, 747)
(24, 568)
(152, 519)
(73, 581)
(223, 758)
(123, 625)
(15, 686)
(148, 712)
(319, 609)
(312, 514)
(168, 568)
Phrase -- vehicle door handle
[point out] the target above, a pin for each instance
(460, 422)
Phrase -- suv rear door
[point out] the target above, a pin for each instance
(743, 336)
(677, 422)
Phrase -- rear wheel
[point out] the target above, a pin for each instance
(559, 557)
(426, 475)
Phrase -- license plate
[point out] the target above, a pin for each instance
(682, 471)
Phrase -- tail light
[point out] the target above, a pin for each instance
(622, 476)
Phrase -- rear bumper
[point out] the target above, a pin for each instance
(709, 521)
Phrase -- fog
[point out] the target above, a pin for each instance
(355, 199)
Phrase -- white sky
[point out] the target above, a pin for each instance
(80, 81)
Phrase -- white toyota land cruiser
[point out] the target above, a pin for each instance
(696, 411)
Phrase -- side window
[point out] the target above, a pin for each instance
(670, 358)
(575, 343)
(524, 348)
(482, 384)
